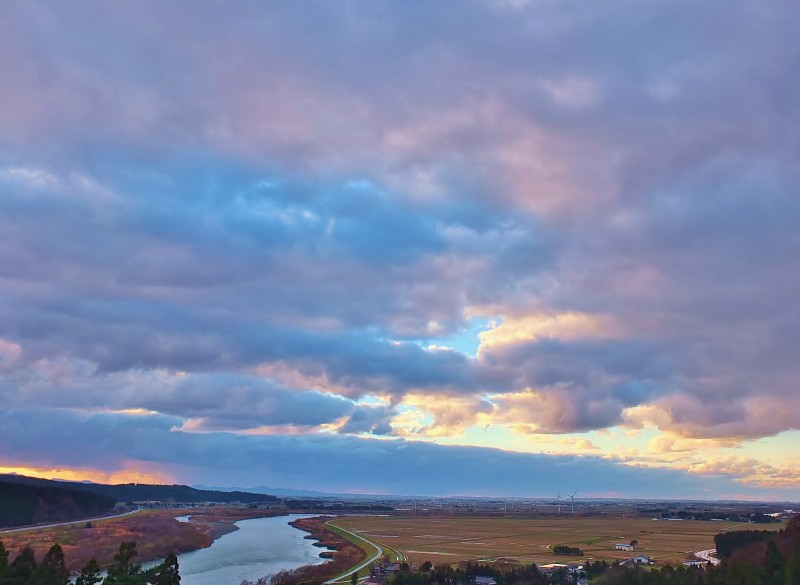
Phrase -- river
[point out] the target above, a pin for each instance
(260, 547)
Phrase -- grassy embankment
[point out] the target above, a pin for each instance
(366, 546)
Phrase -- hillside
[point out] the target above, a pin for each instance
(21, 504)
(754, 546)
(137, 492)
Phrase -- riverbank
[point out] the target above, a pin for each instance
(342, 553)
(260, 547)
(156, 533)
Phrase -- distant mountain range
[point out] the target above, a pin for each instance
(282, 492)
(28, 500)
(292, 493)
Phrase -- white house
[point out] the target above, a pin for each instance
(640, 560)
(623, 546)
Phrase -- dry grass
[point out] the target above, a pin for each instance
(448, 539)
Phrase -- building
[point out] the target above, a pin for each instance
(551, 569)
(623, 546)
(385, 569)
(481, 580)
(694, 563)
(640, 560)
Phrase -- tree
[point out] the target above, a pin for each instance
(23, 567)
(166, 573)
(354, 578)
(792, 571)
(563, 549)
(3, 558)
(53, 569)
(90, 574)
(123, 571)
(793, 526)
(634, 542)
(774, 564)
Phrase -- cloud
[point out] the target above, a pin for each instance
(254, 259)
(9, 354)
(369, 419)
(566, 326)
(442, 415)
(329, 460)
(135, 475)
(325, 196)
(207, 402)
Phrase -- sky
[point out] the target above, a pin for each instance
(492, 247)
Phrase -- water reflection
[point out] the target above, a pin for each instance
(260, 547)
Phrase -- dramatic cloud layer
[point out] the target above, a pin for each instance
(310, 234)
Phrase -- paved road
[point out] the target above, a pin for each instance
(69, 523)
(709, 555)
(377, 555)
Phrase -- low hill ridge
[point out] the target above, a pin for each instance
(29, 500)
(22, 505)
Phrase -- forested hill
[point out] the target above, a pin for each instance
(21, 505)
(139, 492)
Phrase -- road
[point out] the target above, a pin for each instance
(709, 555)
(83, 520)
(377, 555)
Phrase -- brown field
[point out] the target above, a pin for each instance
(448, 539)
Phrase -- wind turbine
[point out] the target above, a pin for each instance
(559, 498)
(572, 497)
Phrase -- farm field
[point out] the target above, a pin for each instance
(448, 539)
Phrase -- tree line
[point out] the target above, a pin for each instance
(52, 570)
(563, 549)
(727, 542)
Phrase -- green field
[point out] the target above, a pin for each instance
(448, 539)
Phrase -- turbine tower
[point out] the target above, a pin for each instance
(558, 499)
(572, 498)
